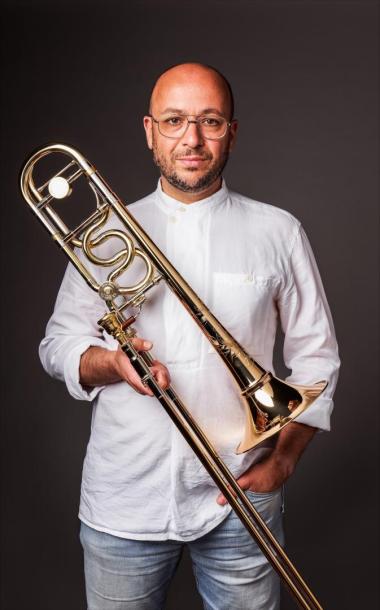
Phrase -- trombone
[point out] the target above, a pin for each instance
(270, 403)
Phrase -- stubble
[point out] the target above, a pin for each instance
(167, 169)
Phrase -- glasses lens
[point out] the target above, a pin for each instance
(211, 127)
(173, 126)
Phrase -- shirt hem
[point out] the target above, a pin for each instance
(167, 535)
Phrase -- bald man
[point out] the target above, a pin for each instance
(144, 494)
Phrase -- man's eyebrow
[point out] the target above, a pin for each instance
(211, 111)
(181, 111)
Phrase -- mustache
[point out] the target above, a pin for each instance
(189, 152)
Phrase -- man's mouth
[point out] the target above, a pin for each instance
(191, 160)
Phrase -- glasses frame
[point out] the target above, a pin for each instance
(196, 121)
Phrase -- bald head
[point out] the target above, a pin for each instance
(193, 76)
(191, 163)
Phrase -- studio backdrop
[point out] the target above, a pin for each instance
(304, 78)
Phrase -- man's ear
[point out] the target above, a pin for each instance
(233, 134)
(148, 124)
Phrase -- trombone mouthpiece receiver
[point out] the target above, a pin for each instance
(59, 188)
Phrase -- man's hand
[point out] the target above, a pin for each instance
(273, 471)
(265, 476)
(100, 366)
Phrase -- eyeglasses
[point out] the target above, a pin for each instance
(212, 127)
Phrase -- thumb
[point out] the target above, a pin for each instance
(142, 345)
(221, 500)
(242, 482)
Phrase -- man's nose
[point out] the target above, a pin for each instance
(193, 136)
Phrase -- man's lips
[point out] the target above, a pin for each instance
(192, 160)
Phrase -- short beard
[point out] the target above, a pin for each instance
(202, 183)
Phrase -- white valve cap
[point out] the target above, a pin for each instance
(59, 187)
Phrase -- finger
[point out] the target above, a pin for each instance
(221, 500)
(134, 380)
(242, 482)
(161, 374)
(141, 388)
(142, 345)
(129, 374)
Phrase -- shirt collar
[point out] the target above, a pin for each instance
(169, 204)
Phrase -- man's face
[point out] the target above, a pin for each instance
(192, 163)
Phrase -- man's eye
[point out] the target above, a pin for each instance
(174, 121)
(211, 121)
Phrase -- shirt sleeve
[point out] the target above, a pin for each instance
(71, 330)
(310, 347)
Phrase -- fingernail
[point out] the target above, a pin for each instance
(148, 345)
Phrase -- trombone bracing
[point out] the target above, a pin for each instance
(269, 403)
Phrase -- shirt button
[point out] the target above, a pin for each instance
(172, 219)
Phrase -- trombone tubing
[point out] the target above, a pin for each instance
(224, 480)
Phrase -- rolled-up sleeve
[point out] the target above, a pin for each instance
(71, 330)
(310, 347)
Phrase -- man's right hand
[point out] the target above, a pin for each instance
(100, 366)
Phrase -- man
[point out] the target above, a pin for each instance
(144, 493)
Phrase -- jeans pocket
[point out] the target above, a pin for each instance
(259, 494)
(269, 504)
(258, 497)
(268, 494)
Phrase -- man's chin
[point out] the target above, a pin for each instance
(195, 185)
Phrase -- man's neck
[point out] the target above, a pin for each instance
(187, 198)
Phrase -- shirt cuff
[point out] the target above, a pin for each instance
(318, 414)
(71, 370)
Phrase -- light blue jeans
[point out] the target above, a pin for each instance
(231, 572)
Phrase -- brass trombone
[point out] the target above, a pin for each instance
(270, 403)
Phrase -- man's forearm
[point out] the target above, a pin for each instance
(97, 367)
(100, 366)
(274, 470)
(292, 441)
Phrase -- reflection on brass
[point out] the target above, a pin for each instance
(270, 403)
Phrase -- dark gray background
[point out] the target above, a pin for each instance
(304, 76)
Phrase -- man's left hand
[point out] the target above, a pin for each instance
(273, 471)
(264, 476)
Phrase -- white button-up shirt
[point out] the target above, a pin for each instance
(252, 265)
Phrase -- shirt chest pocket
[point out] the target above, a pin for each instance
(243, 303)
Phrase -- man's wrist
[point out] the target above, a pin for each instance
(98, 366)
(291, 443)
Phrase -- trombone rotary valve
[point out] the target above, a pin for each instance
(108, 291)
